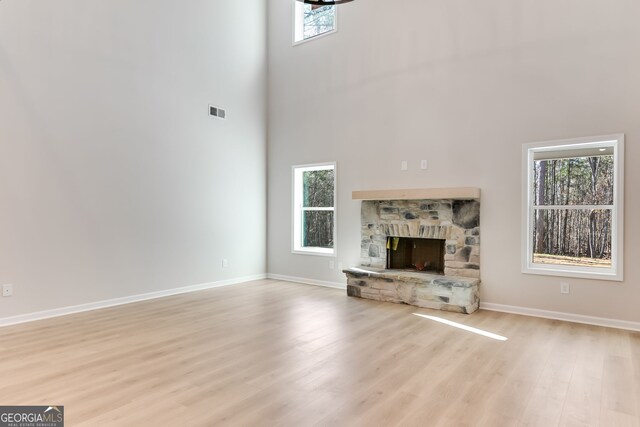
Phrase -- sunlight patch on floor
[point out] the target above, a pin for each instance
(463, 327)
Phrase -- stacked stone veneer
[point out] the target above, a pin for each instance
(455, 221)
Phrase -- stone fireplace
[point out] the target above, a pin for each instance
(420, 247)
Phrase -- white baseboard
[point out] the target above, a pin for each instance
(306, 281)
(63, 311)
(568, 317)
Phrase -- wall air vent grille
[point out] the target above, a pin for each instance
(217, 112)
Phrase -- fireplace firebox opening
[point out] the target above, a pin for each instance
(408, 253)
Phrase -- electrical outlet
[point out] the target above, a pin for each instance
(332, 264)
(564, 287)
(7, 290)
(423, 164)
(404, 165)
(225, 263)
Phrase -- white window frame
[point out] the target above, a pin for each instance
(298, 24)
(615, 273)
(298, 210)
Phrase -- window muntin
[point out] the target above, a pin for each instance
(314, 209)
(573, 208)
(312, 21)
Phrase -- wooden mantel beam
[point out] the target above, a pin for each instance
(463, 193)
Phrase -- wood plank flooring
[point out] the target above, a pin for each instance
(273, 353)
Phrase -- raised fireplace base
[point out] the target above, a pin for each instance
(459, 294)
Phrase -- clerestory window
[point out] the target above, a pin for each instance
(312, 21)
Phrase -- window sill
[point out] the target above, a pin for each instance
(586, 273)
(316, 37)
(315, 251)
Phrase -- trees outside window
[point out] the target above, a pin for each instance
(314, 209)
(573, 208)
(311, 21)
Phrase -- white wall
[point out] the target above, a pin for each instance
(113, 179)
(463, 84)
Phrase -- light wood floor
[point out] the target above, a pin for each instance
(273, 353)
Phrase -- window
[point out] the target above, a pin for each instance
(312, 21)
(573, 208)
(314, 209)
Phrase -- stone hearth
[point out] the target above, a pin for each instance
(455, 220)
(459, 294)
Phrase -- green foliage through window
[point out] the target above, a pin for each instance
(563, 231)
(318, 188)
(318, 193)
(318, 229)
